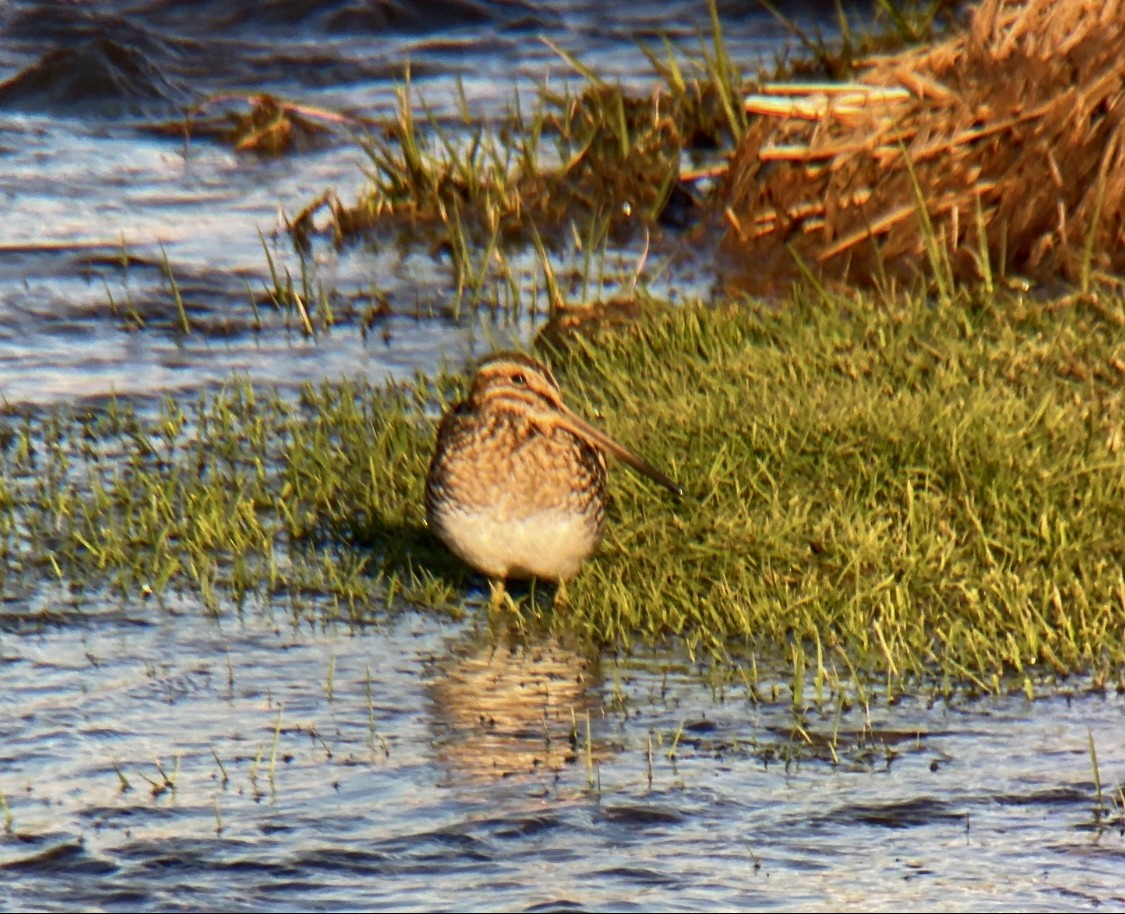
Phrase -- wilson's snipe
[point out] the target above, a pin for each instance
(517, 483)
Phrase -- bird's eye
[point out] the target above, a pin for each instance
(519, 380)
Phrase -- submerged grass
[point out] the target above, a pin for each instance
(876, 492)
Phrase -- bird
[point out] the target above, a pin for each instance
(517, 485)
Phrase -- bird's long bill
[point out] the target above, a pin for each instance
(584, 429)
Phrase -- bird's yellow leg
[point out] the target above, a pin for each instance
(562, 600)
(499, 594)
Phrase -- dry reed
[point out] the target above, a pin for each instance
(1012, 134)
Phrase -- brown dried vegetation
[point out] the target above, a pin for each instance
(999, 150)
(579, 158)
(270, 126)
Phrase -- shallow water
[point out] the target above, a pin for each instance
(426, 763)
(88, 182)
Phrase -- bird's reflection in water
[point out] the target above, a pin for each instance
(509, 703)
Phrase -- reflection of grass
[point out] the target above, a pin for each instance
(876, 492)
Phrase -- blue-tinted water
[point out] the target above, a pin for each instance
(156, 757)
(427, 765)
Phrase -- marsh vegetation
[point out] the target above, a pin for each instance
(883, 623)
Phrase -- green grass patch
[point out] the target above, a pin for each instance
(875, 492)
(894, 489)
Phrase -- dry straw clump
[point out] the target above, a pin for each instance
(1012, 134)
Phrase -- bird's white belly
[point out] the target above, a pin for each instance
(550, 544)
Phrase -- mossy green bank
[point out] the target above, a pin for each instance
(880, 492)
